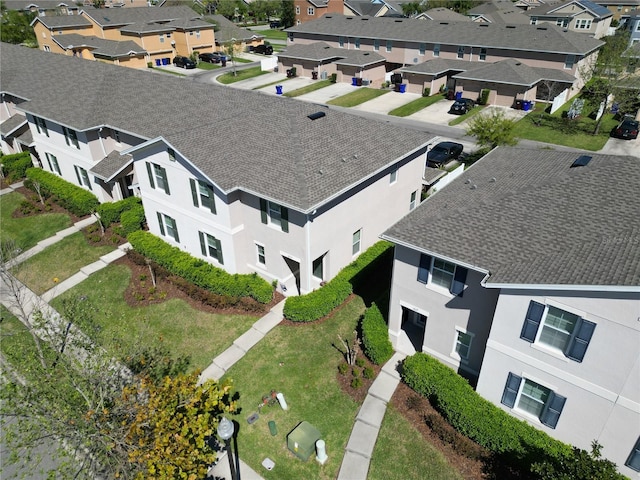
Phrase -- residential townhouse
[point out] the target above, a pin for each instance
(43, 7)
(406, 42)
(583, 16)
(246, 181)
(620, 8)
(307, 10)
(159, 33)
(523, 275)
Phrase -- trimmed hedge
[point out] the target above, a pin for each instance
(110, 212)
(14, 166)
(131, 220)
(375, 336)
(77, 200)
(514, 441)
(198, 271)
(319, 303)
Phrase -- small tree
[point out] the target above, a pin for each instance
(287, 14)
(492, 130)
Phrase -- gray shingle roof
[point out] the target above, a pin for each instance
(547, 38)
(317, 51)
(551, 9)
(438, 66)
(514, 72)
(11, 124)
(273, 149)
(101, 47)
(115, 17)
(361, 59)
(442, 13)
(528, 218)
(111, 165)
(46, 4)
(227, 30)
(61, 21)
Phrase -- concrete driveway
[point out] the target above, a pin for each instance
(325, 94)
(616, 146)
(387, 102)
(436, 113)
(288, 84)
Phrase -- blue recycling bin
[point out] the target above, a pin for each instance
(458, 95)
(158, 62)
(278, 89)
(403, 87)
(526, 105)
(354, 81)
(165, 61)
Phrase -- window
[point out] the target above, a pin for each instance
(436, 50)
(483, 54)
(172, 154)
(376, 44)
(70, 137)
(583, 23)
(463, 344)
(562, 22)
(569, 61)
(443, 274)
(535, 399)
(83, 177)
(311, 11)
(161, 38)
(53, 163)
(355, 242)
(158, 176)
(357, 43)
(46, 48)
(389, 45)
(317, 267)
(41, 126)
(297, 10)
(168, 227)
(633, 462)
(638, 27)
(423, 48)
(197, 33)
(562, 331)
(412, 200)
(274, 214)
(460, 52)
(116, 136)
(262, 259)
(341, 42)
(533, 21)
(202, 195)
(393, 176)
(210, 247)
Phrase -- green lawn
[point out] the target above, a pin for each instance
(461, 118)
(26, 232)
(357, 97)
(317, 85)
(183, 330)
(273, 34)
(208, 66)
(578, 133)
(59, 261)
(227, 78)
(415, 106)
(401, 453)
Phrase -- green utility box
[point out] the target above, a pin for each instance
(302, 440)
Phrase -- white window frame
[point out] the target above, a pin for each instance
(83, 176)
(160, 178)
(460, 53)
(41, 126)
(356, 43)
(569, 61)
(422, 49)
(389, 46)
(457, 344)
(71, 137)
(169, 227)
(524, 411)
(211, 249)
(311, 11)
(162, 38)
(52, 160)
(356, 242)
(341, 42)
(261, 256)
(46, 48)
(583, 24)
(297, 10)
(436, 49)
(533, 21)
(413, 200)
(197, 33)
(393, 176)
(543, 323)
(274, 213)
(562, 22)
(376, 44)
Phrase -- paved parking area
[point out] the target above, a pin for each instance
(288, 84)
(387, 102)
(616, 146)
(325, 94)
(436, 113)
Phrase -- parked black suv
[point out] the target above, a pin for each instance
(263, 49)
(210, 57)
(184, 62)
(627, 129)
(462, 106)
(443, 152)
(274, 24)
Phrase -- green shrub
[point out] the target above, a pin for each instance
(356, 382)
(426, 92)
(110, 212)
(132, 220)
(360, 362)
(14, 166)
(343, 368)
(375, 336)
(198, 271)
(334, 77)
(355, 372)
(484, 96)
(368, 373)
(77, 200)
(319, 303)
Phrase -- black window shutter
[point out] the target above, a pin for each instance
(219, 249)
(194, 192)
(532, 321)
(459, 279)
(153, 184)
(581, 340)
(203, 246)
(161, 223)
(511, 390)
(553, 409)
(263, 210)
(284, 219)
(212, 199)
(175, 229)
(423, 268)
(166, 181)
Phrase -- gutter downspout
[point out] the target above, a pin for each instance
(104, 152)
(307, 239)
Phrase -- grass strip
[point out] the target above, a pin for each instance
(415, 106)
(244, 74)
(309, 88)
(357, 97)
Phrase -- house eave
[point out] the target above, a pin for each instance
(565, 287)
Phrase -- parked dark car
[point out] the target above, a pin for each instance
(462, 106)
(184, 62)
(274, 24)
(627, 129)
(210, 57)
(443, 152)
(263, 49)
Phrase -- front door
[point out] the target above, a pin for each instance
(414, 325)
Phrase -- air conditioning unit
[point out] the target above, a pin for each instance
(323, 75)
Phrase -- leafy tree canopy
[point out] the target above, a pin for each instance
(492, 130)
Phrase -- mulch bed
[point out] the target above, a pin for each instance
(38, 208)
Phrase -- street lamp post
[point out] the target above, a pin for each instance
(225, 432)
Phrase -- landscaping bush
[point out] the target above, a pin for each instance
(426, 92)
(77, 200)
(375, 336)
(484, 96)
(198, 271)
(14, 166)
(515, 441)
(319, 303)
(132, 220)
(334, 77)
(110, 212)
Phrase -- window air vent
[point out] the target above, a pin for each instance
(511, 26)
(444, 23)
(485, 25)
(398, 21)
(316, 115)
(581, 161)
(541, 28)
